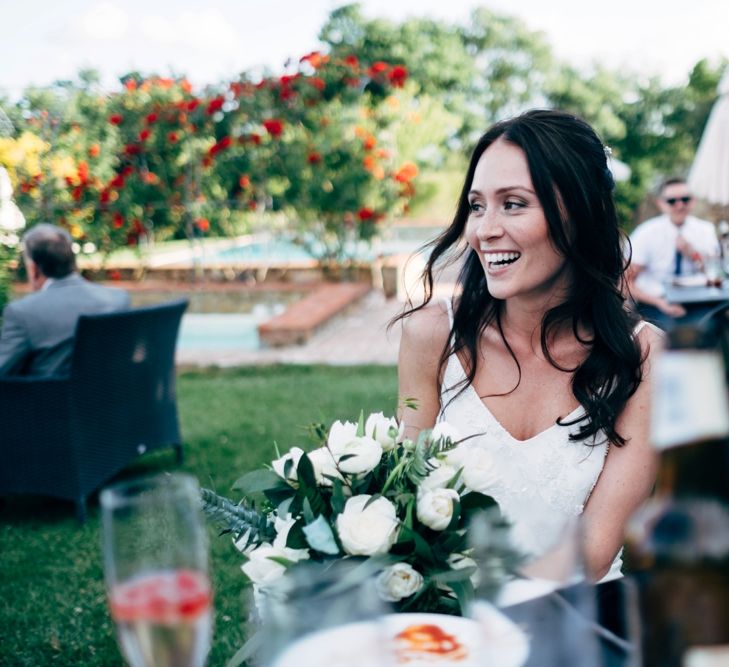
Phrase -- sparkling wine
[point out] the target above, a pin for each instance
(164, 618)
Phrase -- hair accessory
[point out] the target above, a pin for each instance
(608, 151)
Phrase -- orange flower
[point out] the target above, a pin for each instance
(118, 221)
(94, 150)
(244, 181)
(203, 224)
(407, 172)
(369, 162)
(369, 142)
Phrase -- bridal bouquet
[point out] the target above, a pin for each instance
(367, 493)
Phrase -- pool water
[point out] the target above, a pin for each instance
(222, 320)
(220, 331)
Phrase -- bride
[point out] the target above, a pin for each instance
(536, 356)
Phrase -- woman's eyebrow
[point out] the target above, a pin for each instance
(506, 188)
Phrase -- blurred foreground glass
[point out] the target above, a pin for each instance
(323, 614)
(156, 568)
(554, 605)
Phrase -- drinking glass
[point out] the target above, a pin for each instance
(155, 552)
(323, 613)
(555, 605)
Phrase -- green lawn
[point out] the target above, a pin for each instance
(52, 604)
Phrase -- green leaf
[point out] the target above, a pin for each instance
(237, 519)
(320, 537)
(258, 481)
(474, 501)
(338, 500)
(361, 424)
(296, 538)
(449, 576)
(464, 593)
(308, 512)
(252, 646)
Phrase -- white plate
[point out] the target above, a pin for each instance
(415, 640)
(698, 280)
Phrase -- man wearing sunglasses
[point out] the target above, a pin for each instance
(669, 246)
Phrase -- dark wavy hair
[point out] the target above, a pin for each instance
(570, 175)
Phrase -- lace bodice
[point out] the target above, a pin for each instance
(540, 483)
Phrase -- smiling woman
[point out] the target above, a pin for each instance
(537, 360)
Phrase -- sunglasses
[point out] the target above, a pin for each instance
(672, 201)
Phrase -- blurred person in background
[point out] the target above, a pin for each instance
(38, 330)
(670, 246)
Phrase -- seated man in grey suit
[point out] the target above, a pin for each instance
(38, 330)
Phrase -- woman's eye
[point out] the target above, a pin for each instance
(475, 207)
(511, 204)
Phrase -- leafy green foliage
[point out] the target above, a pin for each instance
(52, 599)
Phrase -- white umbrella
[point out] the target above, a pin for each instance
(11, 219)
(709, 176)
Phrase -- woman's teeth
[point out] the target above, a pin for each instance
(501, 258)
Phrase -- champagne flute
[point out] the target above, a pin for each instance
(156, 570)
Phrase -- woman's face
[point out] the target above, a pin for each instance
(508, 230)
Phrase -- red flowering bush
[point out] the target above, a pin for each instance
(155, 158)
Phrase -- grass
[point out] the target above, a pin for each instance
(52, 600)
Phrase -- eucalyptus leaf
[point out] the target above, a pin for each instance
(258, 481)
(320, 537)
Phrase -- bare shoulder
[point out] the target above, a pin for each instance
(652, 341)
(427, 328)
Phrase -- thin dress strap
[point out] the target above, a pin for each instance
(449, 309)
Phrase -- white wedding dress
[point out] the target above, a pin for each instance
(541, 484)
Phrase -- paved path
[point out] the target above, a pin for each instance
(358, 336)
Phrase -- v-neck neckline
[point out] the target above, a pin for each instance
(488, 410)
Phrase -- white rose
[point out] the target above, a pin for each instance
(435, 508)
(261, 570)
(384, 429)
(324, 464)
(279, 465)
(339, 435)
(363, 455)
(398, 581)
(364, 532)
(479, 472)
(444, 431)
(439, 477)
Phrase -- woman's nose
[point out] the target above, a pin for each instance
(489, 226)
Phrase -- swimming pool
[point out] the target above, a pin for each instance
(222, 320)
(266, 248)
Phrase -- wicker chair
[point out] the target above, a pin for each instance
(66, 437)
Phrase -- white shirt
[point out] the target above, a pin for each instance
(654, 248)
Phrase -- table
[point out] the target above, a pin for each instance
(697, 295)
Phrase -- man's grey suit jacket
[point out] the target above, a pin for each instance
(38, 330)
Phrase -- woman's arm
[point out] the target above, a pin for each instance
(628, 475)
(424, 336)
